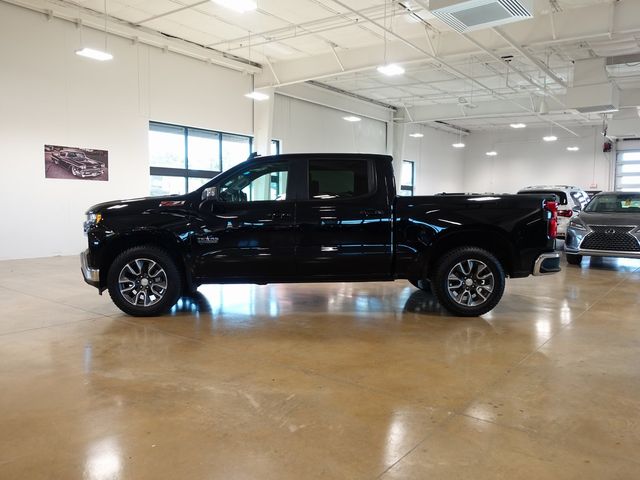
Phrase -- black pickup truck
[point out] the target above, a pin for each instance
(316, 218)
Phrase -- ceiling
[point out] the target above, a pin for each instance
(340, 42)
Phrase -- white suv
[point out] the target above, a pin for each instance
(571, 200)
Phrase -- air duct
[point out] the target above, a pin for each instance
(469, 15)
(625, 123)
(592, 91)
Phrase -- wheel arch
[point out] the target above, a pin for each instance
(154, 238)
(493, 240)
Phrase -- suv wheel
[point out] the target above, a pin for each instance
(468, 281)
(573, 259)
(144, 281)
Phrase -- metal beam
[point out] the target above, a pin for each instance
(90, 18)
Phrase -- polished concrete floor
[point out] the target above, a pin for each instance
(339, 381)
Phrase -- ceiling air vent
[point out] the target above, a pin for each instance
(468, 15)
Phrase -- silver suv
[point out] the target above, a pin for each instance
(571, 200)
(608, 227)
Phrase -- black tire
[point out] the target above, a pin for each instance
(573, 259)
(486, 277)
(168, 278)
(423, 284)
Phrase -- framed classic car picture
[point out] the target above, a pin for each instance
(76, 163)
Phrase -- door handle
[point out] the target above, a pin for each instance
(370, 212)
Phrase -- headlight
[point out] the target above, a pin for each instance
(578, 224)
(94, 218)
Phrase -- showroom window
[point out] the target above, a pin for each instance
(407, 178)
(628, 171)
(182, 159)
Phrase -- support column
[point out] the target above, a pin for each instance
(399, 138)
(263, 122)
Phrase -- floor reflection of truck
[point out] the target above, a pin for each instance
(78, 163)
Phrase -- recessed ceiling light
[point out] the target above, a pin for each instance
(259, 96)
(492, 153)
(416, 135)
(351, 118)
(550, 138)
(457, 145)
(94, 54)
(573, 149)
(240, 6)
(391, 69)
(518, 125)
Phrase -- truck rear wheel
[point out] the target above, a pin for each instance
(468, 281)
(144, 281)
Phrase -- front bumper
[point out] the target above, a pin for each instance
(91, 275)
(90, 173)
(600, 253)
(547, 263)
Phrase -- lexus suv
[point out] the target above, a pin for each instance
(609, 226)
(571, 200)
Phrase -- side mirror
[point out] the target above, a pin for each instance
(576, 209)
(210, 193)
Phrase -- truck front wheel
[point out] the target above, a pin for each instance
(468, 281)
(144, 281)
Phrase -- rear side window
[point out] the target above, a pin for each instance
(561, 196)
(580, 199)
(338, 179)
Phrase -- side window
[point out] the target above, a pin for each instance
(338, 179)
(578, 199)
(262, 182)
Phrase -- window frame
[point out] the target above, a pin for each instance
(619, 175)
(409, 188)
(372, 182)
(186, 172)
(234, 171)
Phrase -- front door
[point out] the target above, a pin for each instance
(345, 226)
(248, 230)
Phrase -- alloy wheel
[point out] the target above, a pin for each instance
(470, 283)
(142, 282)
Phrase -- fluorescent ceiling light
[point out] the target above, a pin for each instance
(457, 145)
(518, 125)
(550, 138)
(94, 54)
(391, 69)
(259, 96)
(351, 118)
(492, 153)
(416, 135)
(240, 6)
(573, 149)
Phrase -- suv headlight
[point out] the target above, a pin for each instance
(578, 224)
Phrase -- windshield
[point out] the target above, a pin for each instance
(561, 196)
(615, 203)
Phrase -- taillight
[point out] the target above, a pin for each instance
(565, 213)
(552, 208)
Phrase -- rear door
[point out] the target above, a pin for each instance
(344, 221)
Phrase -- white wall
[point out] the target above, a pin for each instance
(525, 159)
(52, 96)
(439, 166)
(308, 127)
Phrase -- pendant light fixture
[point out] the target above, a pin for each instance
(100, 55)
(551, 137)
(388, 69)
(255, 94)
(459, 143)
